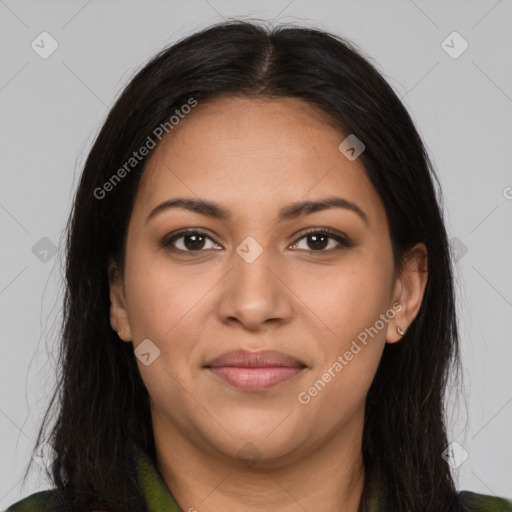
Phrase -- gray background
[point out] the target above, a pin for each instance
(52, 108)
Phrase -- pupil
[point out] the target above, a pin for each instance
(316, 237)
(193, 246)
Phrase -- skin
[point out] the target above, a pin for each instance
(254, 157)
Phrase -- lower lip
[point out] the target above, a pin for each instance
(255, 379)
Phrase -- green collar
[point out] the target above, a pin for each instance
(157, 495)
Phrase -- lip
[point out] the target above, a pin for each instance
(255, 371)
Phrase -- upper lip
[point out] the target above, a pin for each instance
(264, 358)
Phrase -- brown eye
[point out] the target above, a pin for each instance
(188, 241)
(193, 242)
(317, 240)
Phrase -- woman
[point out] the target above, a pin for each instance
(259, 312)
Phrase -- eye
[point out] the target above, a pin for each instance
(188, 240)
(192, 240)
(319, 239)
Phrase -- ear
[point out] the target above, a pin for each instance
(408, 291)
(118, 313)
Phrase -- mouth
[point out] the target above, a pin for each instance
(255, 371)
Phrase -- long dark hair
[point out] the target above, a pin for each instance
(103, 405)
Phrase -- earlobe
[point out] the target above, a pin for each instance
(118, 315)
(409, 291)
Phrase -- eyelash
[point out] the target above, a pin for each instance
(344, 242)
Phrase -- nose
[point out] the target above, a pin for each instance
(255, 294)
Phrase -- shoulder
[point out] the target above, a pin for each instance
(473, 502)
(50, 501)
(42, 500)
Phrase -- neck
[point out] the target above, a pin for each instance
(329, 477)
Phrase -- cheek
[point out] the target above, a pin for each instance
(349, 300)
(161, 303)
(160, 296)
(351, 351)
(348, 297)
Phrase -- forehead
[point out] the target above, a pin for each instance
(253, 152)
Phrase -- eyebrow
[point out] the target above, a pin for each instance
(289, 212)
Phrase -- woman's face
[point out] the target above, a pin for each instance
(255, 280)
